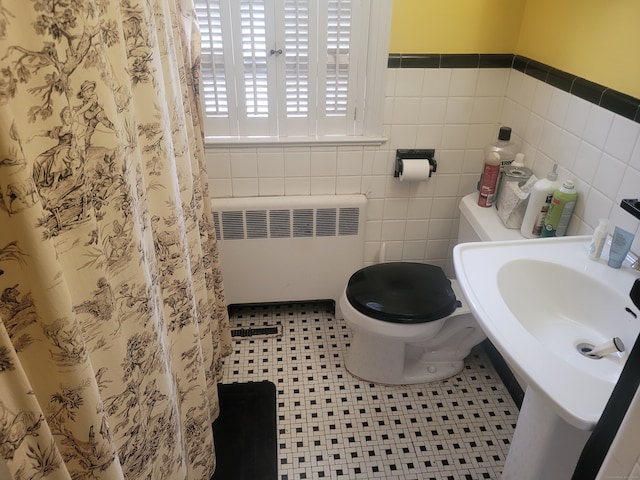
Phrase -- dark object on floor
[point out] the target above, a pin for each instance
(245, 433)
(256, 332)
(507, 377)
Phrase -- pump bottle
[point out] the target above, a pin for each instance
(538, 205)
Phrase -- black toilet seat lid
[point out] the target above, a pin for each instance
(402, 292)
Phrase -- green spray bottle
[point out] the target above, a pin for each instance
(560, 210)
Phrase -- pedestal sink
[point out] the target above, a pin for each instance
(538, 301)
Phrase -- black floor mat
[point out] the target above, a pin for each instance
(245, 433)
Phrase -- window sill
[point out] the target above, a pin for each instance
(245, 142)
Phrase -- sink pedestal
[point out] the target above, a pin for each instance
(544, 445)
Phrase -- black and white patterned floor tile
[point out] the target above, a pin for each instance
(333, 425)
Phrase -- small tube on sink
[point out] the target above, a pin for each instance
(620, 245)
(607, 348)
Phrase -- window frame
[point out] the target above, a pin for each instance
(372, 41)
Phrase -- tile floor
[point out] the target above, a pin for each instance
(333, 425)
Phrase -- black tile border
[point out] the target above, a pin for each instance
(559, 79)
(589, 91)
(612, 100)
(495, 60)
(446, 60)
(459, 61)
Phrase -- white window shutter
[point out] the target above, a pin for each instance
(253, 38)
(297, 72)
(292, 68)
(337, 83)
(217, 83)
(338, 56)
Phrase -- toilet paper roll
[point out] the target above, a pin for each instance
(416, 170)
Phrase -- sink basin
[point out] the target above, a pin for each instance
(537, 300)
(563, 308)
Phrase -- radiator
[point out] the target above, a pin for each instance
(296, 248)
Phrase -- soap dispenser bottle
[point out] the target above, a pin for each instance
(538, 206)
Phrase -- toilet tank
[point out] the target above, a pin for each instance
(482, 224)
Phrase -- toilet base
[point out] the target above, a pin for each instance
(431, 372)
(398, 363)
(394, 354)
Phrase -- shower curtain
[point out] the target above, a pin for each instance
(113, 321)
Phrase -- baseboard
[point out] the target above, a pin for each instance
(506, 375)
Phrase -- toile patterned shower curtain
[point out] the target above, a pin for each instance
(113, 322)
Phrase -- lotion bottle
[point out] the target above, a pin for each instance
(598, 239)
(538, 206)
(489, 182)
(506, 151)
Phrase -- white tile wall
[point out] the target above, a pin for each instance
(457, 112)
(591, 145)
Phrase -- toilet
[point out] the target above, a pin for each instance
(409, 323)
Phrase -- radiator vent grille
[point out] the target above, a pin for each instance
(232, 225)
(216, 223)
(303, 222)
(280, 223)
(326, 222)
(348, 221)
(287, 223)
(256, 224)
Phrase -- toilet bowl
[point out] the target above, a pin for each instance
(409, 323)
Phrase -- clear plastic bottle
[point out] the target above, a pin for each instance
(560, 210)
(504, 146)
(538, 205)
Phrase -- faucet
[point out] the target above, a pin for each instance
(612, 346)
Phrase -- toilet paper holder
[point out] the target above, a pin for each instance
(414, 154)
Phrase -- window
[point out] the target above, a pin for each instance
(293, 68)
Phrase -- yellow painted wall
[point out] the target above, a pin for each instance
(595, 39)
(455, 26)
